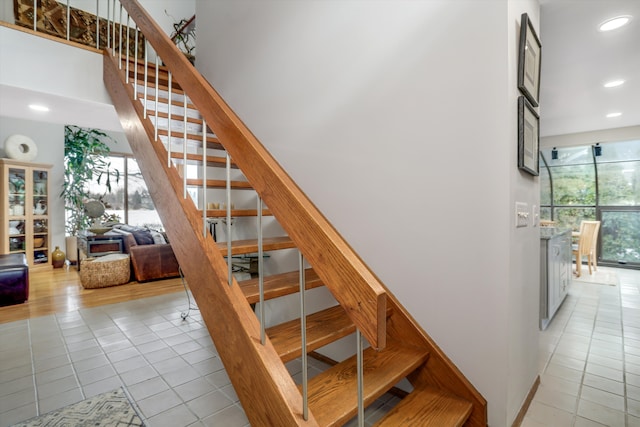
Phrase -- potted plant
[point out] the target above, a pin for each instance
(184, 35)
(85, 160)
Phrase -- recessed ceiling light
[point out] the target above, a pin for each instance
(612, 115)
(613, 23)
(614, 83)
(37, 107)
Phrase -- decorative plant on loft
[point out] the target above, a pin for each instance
(85, 160)
(184, 36)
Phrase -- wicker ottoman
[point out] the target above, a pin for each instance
(109, 270)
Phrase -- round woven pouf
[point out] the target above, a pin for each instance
(20, 147)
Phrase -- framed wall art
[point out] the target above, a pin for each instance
(528, 137)
(529, 61)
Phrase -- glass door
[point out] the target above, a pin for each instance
(39, 219)
(620, 236)
(17, 210)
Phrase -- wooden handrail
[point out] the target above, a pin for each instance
(352, 283)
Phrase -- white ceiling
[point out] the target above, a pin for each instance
(14, 102)
(576, 61)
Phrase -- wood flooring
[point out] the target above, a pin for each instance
(59, 290)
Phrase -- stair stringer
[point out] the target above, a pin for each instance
(438, 371)
(252, 368)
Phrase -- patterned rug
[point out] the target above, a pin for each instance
(111, 409)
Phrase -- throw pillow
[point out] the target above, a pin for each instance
(158, 238)
(143, 237)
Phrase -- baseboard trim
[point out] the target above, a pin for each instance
(525, 406)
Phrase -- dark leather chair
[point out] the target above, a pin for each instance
(14, 279)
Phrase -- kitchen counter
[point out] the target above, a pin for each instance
(555, 271)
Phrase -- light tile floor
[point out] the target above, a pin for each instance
(169, 367)
(589, 362)
(590, 358)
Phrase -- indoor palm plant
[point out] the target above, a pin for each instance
(85, 160)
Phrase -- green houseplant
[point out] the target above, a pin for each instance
(85, 160)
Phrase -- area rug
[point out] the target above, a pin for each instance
(111, 409)
(600, 277)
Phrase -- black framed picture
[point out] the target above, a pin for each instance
(528, 137)
(529, 61)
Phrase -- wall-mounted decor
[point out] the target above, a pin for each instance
(529, 61)
(528, 137)
(51, 18)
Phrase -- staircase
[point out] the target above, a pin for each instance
(171, 135)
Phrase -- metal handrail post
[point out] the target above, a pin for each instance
(169, 102)
(68, 21)
(98, 24)
(228, 193)
(135, 62)
(303, 328)
(204, 178)
(184, 145)
(360, 378)
(146, 76)
(261, 273)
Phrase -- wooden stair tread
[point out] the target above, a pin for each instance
(162, 99)
(428, 407)
(333, 393)
(219, 183)
(323, 327)
(175, 117)
(190, 136)
(212, 161)
(279, 285)
(222, 213)
(239, 247)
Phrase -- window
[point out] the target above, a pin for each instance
(583, 183)
(129, 200)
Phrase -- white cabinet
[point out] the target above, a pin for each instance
(555, 271)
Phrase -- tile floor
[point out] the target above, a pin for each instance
(590, 358)
(169, 367)
(589, 362)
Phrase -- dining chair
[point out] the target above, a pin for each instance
(587, 246)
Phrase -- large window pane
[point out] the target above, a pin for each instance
(114, 201)
(574, 185)
(619, 183)
(619, 151)
(569, 156)
(129, 200)
(545, 186)
(620, 236)
(141, 209)
(572, 217)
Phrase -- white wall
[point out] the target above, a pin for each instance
(398, 120)
(49, 138)
(524, 270)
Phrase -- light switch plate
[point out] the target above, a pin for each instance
(522, 214)
(535, 218)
